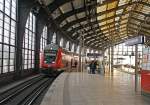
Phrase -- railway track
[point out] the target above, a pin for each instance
(28, 92)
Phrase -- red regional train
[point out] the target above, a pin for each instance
(55, 58)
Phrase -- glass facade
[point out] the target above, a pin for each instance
(54, 38)
(78, 50)
(124, 56)
(7, 35)
(43, 41)
(29, 43)
(61, 42)
(72, 49)
(67, 45)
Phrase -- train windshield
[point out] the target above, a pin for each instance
(50, 56)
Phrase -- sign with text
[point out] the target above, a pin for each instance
(93, 54)
(134, 41)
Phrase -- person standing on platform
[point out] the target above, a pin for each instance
(92, 67)
(75, 64)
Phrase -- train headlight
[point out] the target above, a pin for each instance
(53, 62)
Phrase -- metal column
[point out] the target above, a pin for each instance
(23, 11)
(80, 55)
(40, 23)
(112, 59)
(136, 67)
(80, 49)
(109, 58)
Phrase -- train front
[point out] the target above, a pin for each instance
(52, 57)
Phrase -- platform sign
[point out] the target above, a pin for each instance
(94, 54)
(134, 41)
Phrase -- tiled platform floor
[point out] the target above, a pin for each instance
(94, 89)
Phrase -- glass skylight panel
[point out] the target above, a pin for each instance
(101, 8)
(122, 26)
(71, 18)
(103, 28)
(76, 25)
(117, 18)
(112, 5)
(123, 29)
(129, 8)
(90, 32)
(84, 22)
(81, 15)
(106, 31)
(139, 7)
(112, 29)
(79, 31)
(119, 11)
(66, 7)
(56, 13)
(110, 14)
(69, 29)
(87, 28)
(63, 23)
(146, 10)
(74, 34)
(78, 3)
(112, 25)
(123, 2)
(110, 20)
(107, 34)
(101, 17)
(95, 25)
(47, 2)
(141, 17)
(124, 21)
(102, 23)
(135, 21)
(125, 16)
(97, 30)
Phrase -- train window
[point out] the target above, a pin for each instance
(29, 43)
(7, 35)
(54, 38)
(50, 56)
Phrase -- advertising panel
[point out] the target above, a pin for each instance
(145, 72)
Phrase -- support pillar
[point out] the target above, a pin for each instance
(80, 65)
(112, 59)
(24, 8)
(50, 33)
(58, 37)
(136, 67)
(40, 23)
(64, 43)
(109, 59)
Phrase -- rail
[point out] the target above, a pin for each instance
(26, 93)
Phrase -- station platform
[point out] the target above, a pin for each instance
(94, 89)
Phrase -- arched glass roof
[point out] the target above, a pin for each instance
(101, 22)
